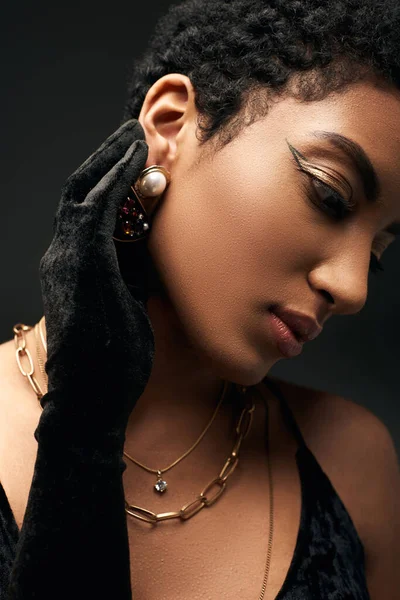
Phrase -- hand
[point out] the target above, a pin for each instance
(100, 350)
(99, 337)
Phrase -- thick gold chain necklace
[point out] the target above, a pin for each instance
(208, 495)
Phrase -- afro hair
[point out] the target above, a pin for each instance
(240, 54)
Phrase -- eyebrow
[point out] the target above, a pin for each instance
(359, 159)
(363, 165)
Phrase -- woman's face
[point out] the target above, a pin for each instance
(236, 232)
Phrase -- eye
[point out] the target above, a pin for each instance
(381, 244)
(327, 198)
(320, 193)
(375, 264)
(330, 199)
(336, 205)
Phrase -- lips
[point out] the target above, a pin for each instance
(304, 327)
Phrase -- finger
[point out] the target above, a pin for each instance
(111, 191)
(79, 184)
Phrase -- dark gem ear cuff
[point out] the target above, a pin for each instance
(133, 220)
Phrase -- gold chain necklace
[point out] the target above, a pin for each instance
(161, 485)
(205, 498)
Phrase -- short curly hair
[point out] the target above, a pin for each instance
(240, 54)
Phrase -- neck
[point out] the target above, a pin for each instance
(180, 397)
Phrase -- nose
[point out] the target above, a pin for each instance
(344, 281)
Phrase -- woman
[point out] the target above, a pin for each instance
(261, 142)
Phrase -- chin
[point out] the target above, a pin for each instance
(242, 369)
(248, 377)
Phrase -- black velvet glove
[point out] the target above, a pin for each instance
(74, 540)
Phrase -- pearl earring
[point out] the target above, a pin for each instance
(133, 219)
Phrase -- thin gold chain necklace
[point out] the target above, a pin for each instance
(204, 499)
(161, 485)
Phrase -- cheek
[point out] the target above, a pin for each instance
(219, 242)
(202, 260)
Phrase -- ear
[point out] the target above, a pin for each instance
(167, 110)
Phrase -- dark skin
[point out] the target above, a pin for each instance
(234, 233)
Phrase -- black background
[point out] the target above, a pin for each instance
(64, 73)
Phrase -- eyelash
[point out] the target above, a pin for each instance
(345, 208)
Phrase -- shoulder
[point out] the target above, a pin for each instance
(13, 385)
(333, 424)
(356, 450)
(19, 411)
(19, 416)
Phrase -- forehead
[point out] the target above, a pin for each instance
(365, 113)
